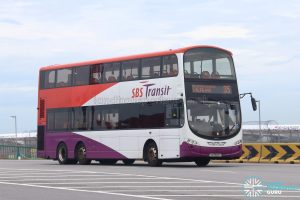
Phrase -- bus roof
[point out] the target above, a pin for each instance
(131, 57)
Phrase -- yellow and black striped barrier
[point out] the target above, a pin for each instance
(280, 153)
(269, 153)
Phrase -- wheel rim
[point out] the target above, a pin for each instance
(62, 154)
(152, 154)
(82, 153)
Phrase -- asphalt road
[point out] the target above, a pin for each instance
(47, 180)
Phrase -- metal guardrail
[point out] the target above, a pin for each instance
(271, 136)
(17, 152)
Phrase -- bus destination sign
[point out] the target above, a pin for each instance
(212, 89)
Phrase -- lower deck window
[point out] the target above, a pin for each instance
(122, 116)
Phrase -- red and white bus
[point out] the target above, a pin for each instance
(175, 105)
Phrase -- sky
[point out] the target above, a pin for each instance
(264, 37)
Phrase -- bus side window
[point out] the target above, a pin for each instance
(64, 77)
(129, 116)
(97, 118)
(111, 72)
(96, 74)
(49, 79)
(81, 75)
(80, 118)
(61, 120)
(151, 68)
(130, 70)
(170, 66)
(111, 118)
(174, 114)
(152, 115)
(50, 121)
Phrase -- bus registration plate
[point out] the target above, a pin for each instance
(215, 155)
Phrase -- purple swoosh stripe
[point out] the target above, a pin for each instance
(95, 150)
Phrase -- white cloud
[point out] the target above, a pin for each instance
(36, 31)
(13, 88)
(216, 32)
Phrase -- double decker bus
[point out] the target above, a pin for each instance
(176, 105)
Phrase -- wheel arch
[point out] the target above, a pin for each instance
(145, 148)
(77, 144)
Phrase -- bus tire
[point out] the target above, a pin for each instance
(201, 162)
(128, 161)
(81, 155)
(108, 162)
(152, 155)
(72, 161)
(62, 154)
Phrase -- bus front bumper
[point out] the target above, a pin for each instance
(193, 151)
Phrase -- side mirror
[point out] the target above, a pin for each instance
(254, 105)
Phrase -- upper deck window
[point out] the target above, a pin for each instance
(208, 63)
(151, 68)
(81, 75)
(64, 77)
(170, 66)
(96, 74)
(111, 72)
(130, 70)
(48, 79)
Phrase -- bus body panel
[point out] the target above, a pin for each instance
(116, 144)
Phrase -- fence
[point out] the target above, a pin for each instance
(271, 136)
(17, 152)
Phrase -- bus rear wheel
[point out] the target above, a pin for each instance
(128, 161)
(81, 155)
(152, 155)
(62, 155)
(201, 162)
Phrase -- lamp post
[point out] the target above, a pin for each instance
(16, 131)
(259, 117)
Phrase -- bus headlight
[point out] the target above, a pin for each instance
(191, 141)
(239, 142)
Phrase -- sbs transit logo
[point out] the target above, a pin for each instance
(150, 90)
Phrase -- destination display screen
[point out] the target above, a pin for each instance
(212, 89)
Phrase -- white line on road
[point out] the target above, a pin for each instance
(58, 176)
(79, 179)
(88, 191)
(174, 190)
(111, 182)
(139, 175)
(160, 186)
(220, 195)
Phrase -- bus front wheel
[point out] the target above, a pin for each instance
(201, 162)
(81, 155)
(152, 155)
